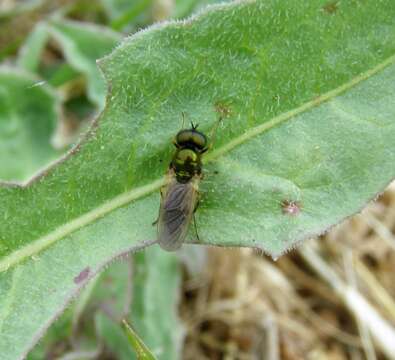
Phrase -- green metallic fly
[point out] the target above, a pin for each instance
(180, 195)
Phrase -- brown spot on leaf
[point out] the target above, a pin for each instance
(290, 207)
(223, 109)
(82, 275)
(330, 8)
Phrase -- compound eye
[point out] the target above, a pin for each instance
(191, 138)
(184, 136)
(199, 140)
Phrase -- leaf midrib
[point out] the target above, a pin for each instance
(44, 242)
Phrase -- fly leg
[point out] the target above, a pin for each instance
(212, 136)
(161, 199)
(194, 223)
(194, 218)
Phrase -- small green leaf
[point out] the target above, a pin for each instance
(127, 17)
(29, 113)
(82, 45)
(115, 8)
(142, 351)
(30, 53)
(113, 337)
(124, 13)
(60, 74)
(155, 303)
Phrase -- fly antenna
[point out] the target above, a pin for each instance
(194, 127)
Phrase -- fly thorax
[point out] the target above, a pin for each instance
(186, 163)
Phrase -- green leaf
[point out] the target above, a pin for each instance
(113, 337)
(115, 8)
(30, 53)
(308, 95)
(157, 280)
(82, 45)
(127, 17)
(142, 351)
(28, 116)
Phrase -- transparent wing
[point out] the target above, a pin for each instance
(176, 211)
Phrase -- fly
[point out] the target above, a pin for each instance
(180, 195)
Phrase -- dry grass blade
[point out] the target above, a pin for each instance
(381, 330)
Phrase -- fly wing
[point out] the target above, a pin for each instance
(177, 207)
